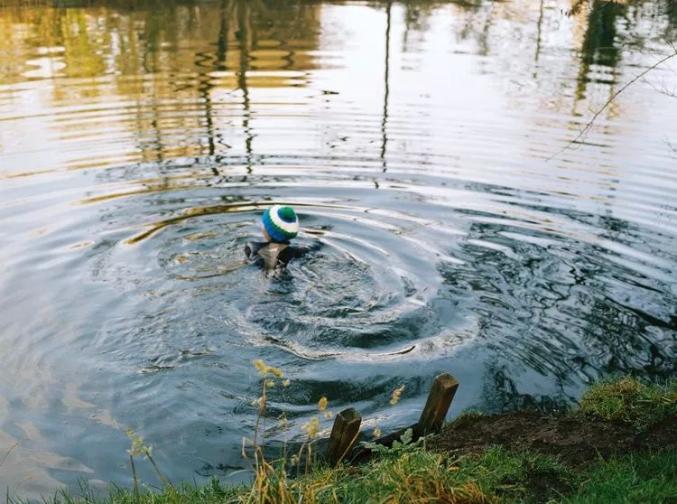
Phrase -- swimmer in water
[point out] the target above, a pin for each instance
(279, 226)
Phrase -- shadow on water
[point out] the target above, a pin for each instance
(139, 141)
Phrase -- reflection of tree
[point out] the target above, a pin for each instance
(81, 54)
(539, 30)
(154, 51)
(204, 84)
(246, 39)
(416, 15)
(386, 87)
(671, 14)
(599, 41)
(606, 29)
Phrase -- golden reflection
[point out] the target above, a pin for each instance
(189, 213)
(154, 73)
(196, 212)
(166, 82)
(230, 35)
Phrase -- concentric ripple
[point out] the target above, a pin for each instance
(361, 286)
(425, 147)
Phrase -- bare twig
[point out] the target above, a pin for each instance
(591, 122)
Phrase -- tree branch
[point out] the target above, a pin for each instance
(625, 86)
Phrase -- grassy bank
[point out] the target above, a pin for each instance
(618, 447)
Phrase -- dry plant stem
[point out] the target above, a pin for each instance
(259, 460)
(298, 458)
(590, 123)
(162, 477)
(284, 449)
(136, 480)
(262, 411)
(261, 483)
(309, 456)
(350, 445)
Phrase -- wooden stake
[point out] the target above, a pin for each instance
(436, 407)
(343, 434)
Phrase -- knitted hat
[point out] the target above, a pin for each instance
(281, 223)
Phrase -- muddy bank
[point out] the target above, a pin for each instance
(575, 439)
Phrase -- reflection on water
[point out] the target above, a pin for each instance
(139, 141)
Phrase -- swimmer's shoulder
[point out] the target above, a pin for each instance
(251, 249)
(255, 251)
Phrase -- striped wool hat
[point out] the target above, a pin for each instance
(281, 223)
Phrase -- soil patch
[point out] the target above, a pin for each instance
(574, 439)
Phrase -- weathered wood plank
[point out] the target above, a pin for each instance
(343, 434)
(439, 400)
(436, 407)
(432, 418)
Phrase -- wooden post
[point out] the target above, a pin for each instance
(436, 407)
(343, 434)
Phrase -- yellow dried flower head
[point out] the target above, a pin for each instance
(270, 383)
(260, 366)
(312, 428)
(396, 395)
(286, 383)
(322, 403)
(377, 432)
(328, 415)
(265, 370)
(138, 448)
(276, 372)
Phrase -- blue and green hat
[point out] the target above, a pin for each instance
(281, 223)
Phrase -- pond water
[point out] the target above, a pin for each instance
(424, 145)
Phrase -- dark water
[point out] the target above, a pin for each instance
(140, 140)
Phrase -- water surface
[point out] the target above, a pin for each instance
(139, 142)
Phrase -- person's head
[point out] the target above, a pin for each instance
(279, 224)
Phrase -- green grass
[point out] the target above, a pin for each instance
(631, 401)
(213, 493)
(497, 475)
(650, 478)
(414, 475)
